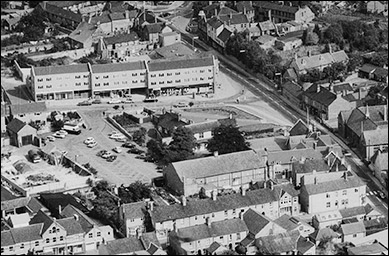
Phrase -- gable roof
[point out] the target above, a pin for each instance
(226, 11)
(234, 19)
(15, 236)
(335, 185)
(368, 249)
(70, 212)
(28, 108)
(121, 38)
(206, 206)
(288, 222)
(154, 28)
(57, 11)
(6, 195)
(338, 88)
(255, 221)
(280, 243)
(214, 229)
(299, 128)
(71, 225)
(216, 165)
(83, 32)
(303, 245)
(121, 246)
(367, 68)
(273, 6)
(324, 96)
(210, 125)
(63, 69)
(134, 210)
(30, 202)
(378, 136)
(323, 233)
(352, 212)
(241, 5)
(319, 165)
(42, 218)
(266, 25)
(215, 22)
(224, 35)
(15, 125)
(52, 201)
(353, 228)
(323, 59)
(293, 88)
(358, 116)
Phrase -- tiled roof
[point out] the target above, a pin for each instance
(367, 68)
(15, 125)
(335, 185)
(52, 201)
(83, 32)
(206, 206)
(299, 128)
(234, 19)
(358, 116)
(134, 210)
(287, 222)
(288, 188)
(380, 159)
(217, 165)
(85, 222)
(322, 233)
(226, 11)
(121, 38)
(121, 246)
(378, 136)
(293, 88)
(381, 72)
(154, 28)
(303, 245)
(71, 226)
(21, 235)
(30, 202)
(63, 4)
(352, 212)
(65, 69)
(28, 108)
(213, 247)
(255, 221)
(42, 217)
(61, 12)
(117, 16)
(315, 61)
(103, 18)
(215, 229)
(324, 96)
(293, 155)
(159, 65)
(215, 22)
(280, 243)
(265, 39)
(266, 25)
(368, 249)
(353, 228)
(210, 125)
(273, 6)
(224, 35)
(339, 56)
(342, 87)
(118, 67)
(244, 4)
(149, 238)
(6, 195)
(268, 143)
(319, 165)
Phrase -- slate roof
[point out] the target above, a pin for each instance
(215, 229)
(6, 195)
(288, 188)
(358, 116)
(213, 247)
(212, 166)
(367, 68)
(234, 19)
(380, 159)
(303, 245)
(65, 69)
(159, 65)
(29, 202)
(118, 67)
(299, 128)
(315, 61)
(323, 233)
(154, 28)
(342, 87)
(273, 6)
(287, 222)
(319, 165)
(63, 4)
(324, 97)
(280, 243)
(268, 143)
(71, 226)
(378, 136)
(368, 249)
(121, 38)
(265, 39)
(42, 218)
(28, 108)
(86, 223)
(381, 72)
(52, 201)
(206, 206)
(353, 228)
(101, 19)
(117, 16)
(328, 216)
(21, 235)
(224, 35)
(244, 4)
(215, 22)
(335, 185)
(83, 32)
(121, 246)
(339, 56)
(134, 210)
(15, 125)
(255, 221)
(61, 12)
(352, 212)
(266, 25)
(226, 11)
(293, 88)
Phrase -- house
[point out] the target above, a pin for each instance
(282, 12)
(292, 91)
(167, 122)
(223, 37)
(246, 7)
(370, 249)
(323, 234)
(31, 112)
(352, 231)
(151, 32)
(214, 27)
(132, 215)
(267, 28)
(365, 128)
(266, 41)
(169, 38)
(375, 225)
(305, 247)
(119, 46)
(194, 212)
(323, 103)
(291, 27)
(216, 249)
(357, 213)
(381, 75)
(235, 21)
(21, 133)
(197, 239)
(302, 64)
(287, 43)
(260, 225)
(266, 144)
(59, 15)
(374, 73)
(20, 205)
(380, 237)
(366, 71)
(379, 164)
(377, 7)
(371, 213)
(56, 202)
(86, 35)
(300, 128)
(253, 32)
(348, 191)
(327, 219)
(235, 170)
(94, 234)
(290, 223)
(142, 245)
(279, 244)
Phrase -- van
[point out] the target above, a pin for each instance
(34, 156)
(72, 129)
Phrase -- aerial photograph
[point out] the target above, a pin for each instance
(194, 128)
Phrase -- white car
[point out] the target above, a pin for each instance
(117, 149)
(50, 138)
(59, 135)
(63, 132)
(106, 155)
(181, 105)
(117, 136)
(92, 144)
(112, 133)
(121, 139)
(114, 101)
(89, 140)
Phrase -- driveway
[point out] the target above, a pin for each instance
(124, 170)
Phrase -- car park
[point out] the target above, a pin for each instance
(92, 144)
(181, 105)
(111, 158)
(89, 140)
(84, 103)
(59, 135)
(50, 138)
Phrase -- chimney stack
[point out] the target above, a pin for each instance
(367, 114)
(295, 56)
(208, 221)
(243, 191)
(264, 184)
(318, 88)
(214, 194)
(76, 217)
(269, 14)
(127, 14)
(59, 210)
(309, 53)
(183, 200)
(271, 185)
(345, 175)
(216, 153)
(314, 145)
(244, 10)
(230, 15)
(329, 48)
(230, 116)
(138, 233)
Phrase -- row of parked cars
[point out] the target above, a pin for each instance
(127, 100)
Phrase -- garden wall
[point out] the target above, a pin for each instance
(118, 126)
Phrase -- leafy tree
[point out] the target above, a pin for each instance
(32, 25)
(227, 139)
(156, 149)
(182, 145)
(139, 136)
(135, 192)
(57, 125)
(379, 59)
(4, 4)
(355, 60)
(317, 31)
(333, 34)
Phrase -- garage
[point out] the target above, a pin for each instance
(26, 140)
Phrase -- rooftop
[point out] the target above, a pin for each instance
(65, 69)
(121, 38)
(134, 210)
(334, 185)
(34, 107)
(280, 243)
(118, 67)
(255, 221)
(160, 65)
(370, 249)
(353, 228)
(121, 246)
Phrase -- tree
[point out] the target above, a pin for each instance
(355, 60)
(139, 136)
(135, 192)
(156, 150)
(317, 31)
(182, 145)
(57, 125)
(32, 25)
(227, 139)
(333, 34)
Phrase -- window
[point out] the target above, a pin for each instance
(230, 237)
(328, 195)
(178, 73)
(210, 77)
(98, 84)
(11, 248)
(161, 82)
(90, 235)
(153, 75)
(98, 234)
(105, 76)
(213, 215)
(195, 217)
(225, 212)
(134, 81)
(161, 75)
(202, 71)
(134, 74)
(201, 135)
(36, 243)
(169, 74)
(40, 87)
(47, 240)
(40, 80)
(48, 86)
(77, 77)
(169, 82)
(86, 76)
(106, 84)
(77, 84)
(346, 201)
(61, 238)
(344, 192)
(221, 238)
(233, 211)
(48, 79)
(178, 81)
(86, 83)
(21, 246)
(336, 203)
(97, 77)
(295, 199)
(328, 205)
(356, 190)
(124, 82)
(2, 250)
(153, 83)
(354, 235)
(54, 239)
(238, 236)
(142, 73)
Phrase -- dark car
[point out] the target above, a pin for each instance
(84, 103)
(149, 159)
(97, 101)
(141, 157)
(112, 158)
(135, 151)
(128, 145)
(101, 152)
(150, 100)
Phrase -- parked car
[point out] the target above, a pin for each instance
(117, 149)
(63, 132)
(106, 155)
(114, 101)
(59, 135)
(101, 152)
(149, 159)
(84, 103)
(117, 136)
(89, 140)
(135, 151)
(111, 158)
(347, 153)
(128, 145)
(381, 194)
(181, 105)
(128, 101)
(50, 138)
(96, 101)
(150, 100)
(92, 144)
(141, 157)
(121, 139)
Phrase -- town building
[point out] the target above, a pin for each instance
(29, 205)
(352, 231)
(111, 23)
(86, 35)
(59, 15)
(290, 223)
(30, 112)
(234, 170)
(246, 7)
(169, 38)
(369, 249)
(21, 133)
(327, 219)
(197, 239)
(377, 7)
(288, 42)
(293, 92)
(260, 225)
(152, 32)
(324, 234)
(379, 165)
(132, 217)
(278, 244)
(281, 12)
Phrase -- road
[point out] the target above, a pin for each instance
(266, 91)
